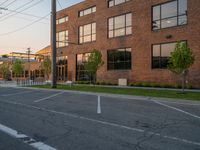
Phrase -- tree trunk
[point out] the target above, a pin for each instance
(183, 81)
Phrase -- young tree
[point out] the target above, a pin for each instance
(17, 68)
(4, 70)
(46, 67)
(93, 63)
(180, 61)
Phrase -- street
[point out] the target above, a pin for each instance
(65, 120)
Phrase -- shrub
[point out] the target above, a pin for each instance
(155, 85)
(178, 86)
(146, 84)
(189, 86)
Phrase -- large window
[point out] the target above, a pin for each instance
(119, 59)
(169, 14)
(87, 11)
(81, 72)
(62, 39)
(62, 20)
(161, 54)
(120, 25)
(87, 33)
(112, 3)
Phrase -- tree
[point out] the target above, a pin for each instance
(4, 56)
(46, 67)
(181, 60)
(18, 68)
(4, 70)
(93, 63)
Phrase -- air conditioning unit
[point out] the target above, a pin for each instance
(122, 82)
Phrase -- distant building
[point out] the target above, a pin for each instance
(32, 63)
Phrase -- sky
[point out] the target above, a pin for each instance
(36, 36)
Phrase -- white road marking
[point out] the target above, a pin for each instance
(99, 105)
(177, 109)
(129, 97)
(104, 123)
(13, 133)
(42, 99)
(181, 103)
(11, 94)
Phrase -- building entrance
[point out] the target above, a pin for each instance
(62, 68)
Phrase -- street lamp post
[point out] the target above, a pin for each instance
(53, 44)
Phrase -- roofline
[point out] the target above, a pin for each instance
(71, 6)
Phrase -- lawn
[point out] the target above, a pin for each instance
(129, 91)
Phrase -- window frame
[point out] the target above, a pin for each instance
(58, 41)
(92, 7)
(160, 57)
(66, 20)
(116, 50)
(125, 27)
(160, 15)
(114, 1)
(82, 63)
(79, 36)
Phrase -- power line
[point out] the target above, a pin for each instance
(4, 2)
(25, 14)
(10, 3)
(27, 19)
(22, 28)
(59, 4)
(18, 8)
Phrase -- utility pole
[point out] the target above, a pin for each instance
(28, 52)
(53, 44)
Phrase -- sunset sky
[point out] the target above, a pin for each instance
(35, 36)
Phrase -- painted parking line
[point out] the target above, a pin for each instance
(46, 98)
(104, 123)
(181, 103)
(25, 139)
(17, 93)
(177, 109)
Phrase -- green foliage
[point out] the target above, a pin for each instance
(93, 63)
(4, 56)
(18, 68)
(181, 59)
(4, 70)
(46, 67)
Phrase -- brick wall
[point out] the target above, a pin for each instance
(140, 41)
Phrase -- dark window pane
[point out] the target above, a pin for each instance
(119, 59)
(156, 62)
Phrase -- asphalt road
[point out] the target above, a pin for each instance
(69, 121)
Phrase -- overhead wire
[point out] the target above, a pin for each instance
(4, 2)
(18, 8)
(10, 3)
(24, 27)
(26, 14)
(59, 4)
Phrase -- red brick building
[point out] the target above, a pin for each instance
(135, 38)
